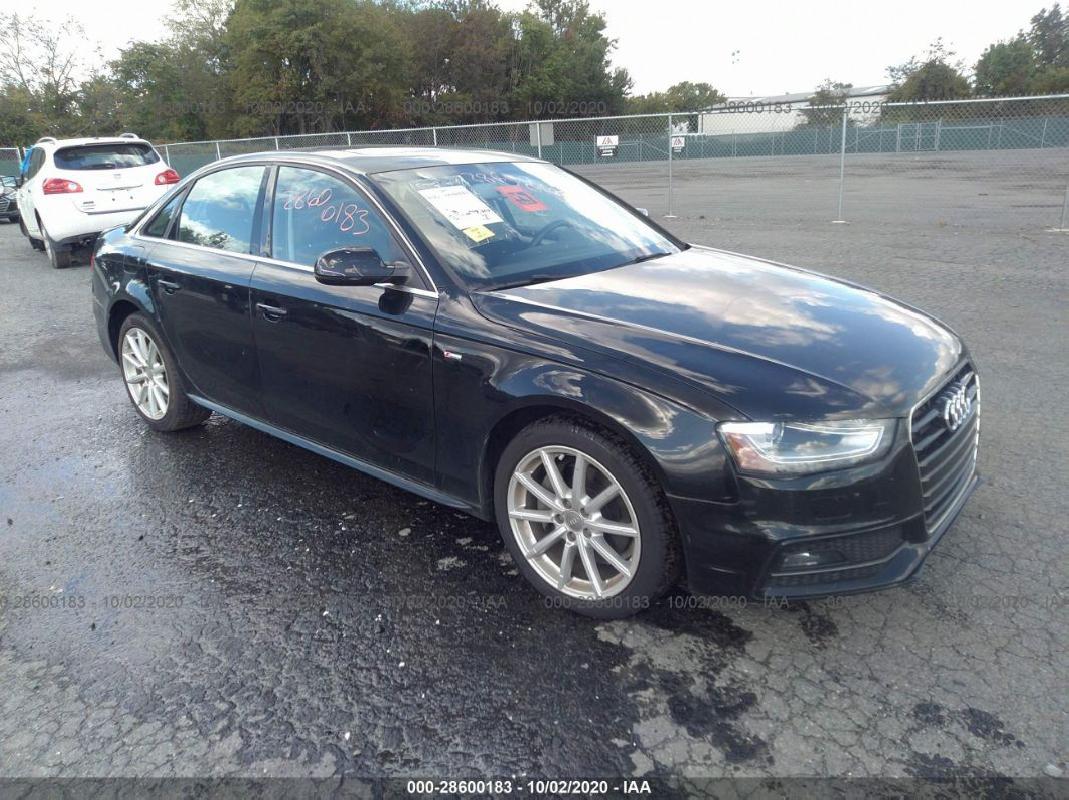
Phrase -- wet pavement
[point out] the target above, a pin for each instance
(218, 602)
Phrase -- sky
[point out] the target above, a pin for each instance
(742, 47)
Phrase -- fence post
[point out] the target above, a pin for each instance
(348, 139)
(842, 165)
(1065, 211)
(167, 154)
(276, 143)
(434, 136)
(670, 215)
(538, 136)
(218, 152)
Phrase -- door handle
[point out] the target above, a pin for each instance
(169, 286)
(271, 313)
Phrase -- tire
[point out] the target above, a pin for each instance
(58, 256)
(36, 244)
(651, 553)
(179, 411)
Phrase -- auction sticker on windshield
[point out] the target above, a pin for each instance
(460, 206)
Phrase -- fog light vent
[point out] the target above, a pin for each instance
(809, 559)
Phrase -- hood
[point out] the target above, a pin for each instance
(771, 341)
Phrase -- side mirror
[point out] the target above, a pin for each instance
(358, 266)
(643, 211)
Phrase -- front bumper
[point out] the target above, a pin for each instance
(856, 530)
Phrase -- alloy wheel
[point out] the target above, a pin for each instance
(574, 523)
(145, 374)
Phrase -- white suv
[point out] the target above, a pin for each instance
(75, 188)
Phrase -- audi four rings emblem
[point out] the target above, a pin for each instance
(956, 406)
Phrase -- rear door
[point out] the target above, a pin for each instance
(346, 366)
(114, 176)
(27, 207)
(199, 278)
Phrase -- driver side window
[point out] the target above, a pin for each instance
(315, 212)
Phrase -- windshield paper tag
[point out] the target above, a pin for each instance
(478, 233)
(522, 199)
(460, 206)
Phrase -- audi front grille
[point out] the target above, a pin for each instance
(946, 457)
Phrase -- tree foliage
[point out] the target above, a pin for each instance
(932, 76)
(1033, 62)
(228, 68)
(684, 96)
(822, 111)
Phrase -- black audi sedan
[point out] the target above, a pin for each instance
(501, 336)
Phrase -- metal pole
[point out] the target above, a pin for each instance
(1065, 209)
(669, 215)
(434, 136)
(276, 143)
(218, 153)
(348, 139)
(538, 137)
(842, 166)
(167, 154)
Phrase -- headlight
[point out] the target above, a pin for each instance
(798, 448)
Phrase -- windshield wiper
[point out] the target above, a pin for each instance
(646, 257)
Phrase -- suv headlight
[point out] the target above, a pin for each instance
(798, 448)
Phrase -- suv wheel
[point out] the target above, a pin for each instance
(36, 244)
(152, 381)
(584, 519)
(58, 256)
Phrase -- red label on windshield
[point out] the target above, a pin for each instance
(522, 199)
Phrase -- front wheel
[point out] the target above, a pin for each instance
(152, 380)
(584, 519)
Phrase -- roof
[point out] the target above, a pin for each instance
(387, 158)
(803, 97)
(57, 143)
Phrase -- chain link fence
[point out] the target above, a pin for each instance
(995, 163)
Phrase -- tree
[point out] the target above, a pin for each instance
(44, 63)
(562, 66)
(822, 111)
(1049, 37)
(1005, 69)
(1036, 62)
(683, 96)
(304, 66)
(930, 77)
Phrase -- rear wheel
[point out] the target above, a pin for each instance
(58, 255)
(152, 380)
(584, 519)
(36, 244)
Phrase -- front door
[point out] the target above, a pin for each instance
(346, 366)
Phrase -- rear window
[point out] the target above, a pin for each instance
(105, 156)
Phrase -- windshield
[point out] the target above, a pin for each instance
(105, 156)
(500, 225)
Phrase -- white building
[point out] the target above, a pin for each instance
(777, 113)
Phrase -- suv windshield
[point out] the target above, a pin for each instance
(500, 225)
(105, 156)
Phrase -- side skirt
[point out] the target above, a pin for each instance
(391, 478)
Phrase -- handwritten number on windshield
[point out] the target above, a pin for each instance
(349, 217)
